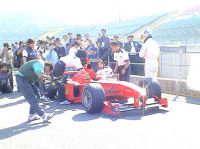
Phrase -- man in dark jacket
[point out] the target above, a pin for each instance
(132, 46)
(59, 48)
(30, 53)
(103, 43)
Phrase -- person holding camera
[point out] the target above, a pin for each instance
(6, 56)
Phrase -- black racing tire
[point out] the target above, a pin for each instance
(153, 89)
(93, 97)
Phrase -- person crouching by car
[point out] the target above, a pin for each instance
(29, 73)
(104, 72)
(122, 62)
(5, 85)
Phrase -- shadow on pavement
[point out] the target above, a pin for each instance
(81, 117)
(18, 129)
(13, 95)
(12, 104)
(130, 115)
(59, 109)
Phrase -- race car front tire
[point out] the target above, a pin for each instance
(93, 98)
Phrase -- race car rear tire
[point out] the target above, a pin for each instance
(153, 89)
(93, 97)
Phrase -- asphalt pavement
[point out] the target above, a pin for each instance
(176, 127)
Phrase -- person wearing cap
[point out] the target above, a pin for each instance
(104, 46)
(30, 53)
(132, 46)
(150, 51)
(122, 62)
(116, 38)
(30, 72)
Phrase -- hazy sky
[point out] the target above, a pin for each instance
(91, 11)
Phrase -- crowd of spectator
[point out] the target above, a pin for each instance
(52, 49)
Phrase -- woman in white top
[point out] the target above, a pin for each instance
(104, 72)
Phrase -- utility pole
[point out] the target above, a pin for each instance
(119, 11)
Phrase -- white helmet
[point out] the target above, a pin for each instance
(146, 34)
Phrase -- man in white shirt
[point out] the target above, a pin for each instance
(122, 62)
(150, 51)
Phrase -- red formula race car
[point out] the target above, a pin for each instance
(110, 96)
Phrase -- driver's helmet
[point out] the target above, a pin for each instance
(145, 35)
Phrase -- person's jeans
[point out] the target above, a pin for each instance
(30, 92)
(126, 76)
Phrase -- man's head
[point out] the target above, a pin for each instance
(65, 37)
(76, 44)
(47, 38)
(130, 38)
(87, 36)
(145, 35)
(116, 37)
(103, 32)
(6, 45)
(68, 45)
(48, 68)
(42, 45)
(21, 44)
(111, 40)
(78, 36)
(31, 43)
(51, 45)
(90, 42)
(115, 46)
(70, 35)
(57, 41)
